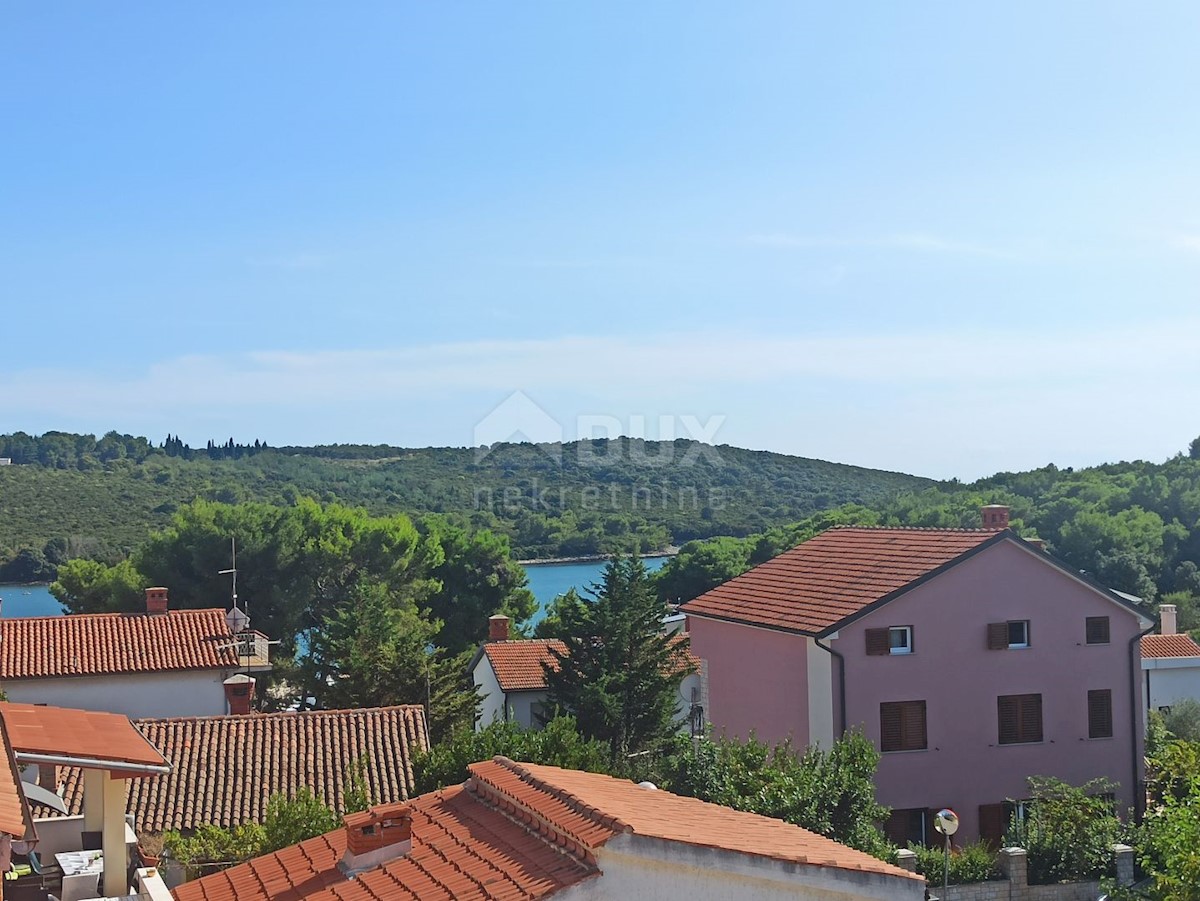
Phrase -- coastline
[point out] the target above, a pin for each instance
(593, 558)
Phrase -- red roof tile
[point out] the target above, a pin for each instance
(225, 768)
(520, 831)
(518, 664)
(834, 575)
(1178, 645)
(93, 643)
(84, 734)
(15, 818)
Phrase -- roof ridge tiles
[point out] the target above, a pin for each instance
(260, 714)
(572, 801)
(846, 527)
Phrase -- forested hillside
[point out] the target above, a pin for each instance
(1133, 526)
(71, 495)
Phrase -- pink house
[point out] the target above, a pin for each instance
(972, 658)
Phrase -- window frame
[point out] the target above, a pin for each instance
(1022, 705)
(899, 708)
(1097, 621)
(1019, 645)
(908, 641)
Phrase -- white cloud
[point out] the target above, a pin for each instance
(913, 242)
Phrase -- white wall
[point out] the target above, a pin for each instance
(655, 870)
(1172, 679)
(137, 695)
(820, 695)
(492, 708)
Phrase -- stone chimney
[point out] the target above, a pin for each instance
(48, 777)
(239, 693)
(1167, 620)
(376, 836)
(156, 601)
(995, 517)
(498, 627)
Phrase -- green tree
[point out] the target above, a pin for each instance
(1183, 720)
(830, 792)
(554, 623)
(701, 565)
(1068, 831)
(620, 675)
(476, 577)
(86, 586)
(292, 820)
(558, 744)
(375, 650)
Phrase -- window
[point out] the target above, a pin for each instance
(894, 640)
(910, 826)
(1100, 720)
(1097, 630)
(1020, 719)
(902, 726)
(900, 640)
(1012, 634)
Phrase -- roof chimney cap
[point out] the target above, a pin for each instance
(156, 600)
(498, 627)
(995, 516)
(376, 835)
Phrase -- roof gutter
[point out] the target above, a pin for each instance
(1135, 696)
(94, 763)
(841, 684)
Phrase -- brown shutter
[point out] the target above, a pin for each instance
(993, 822)
(913, 725)
(878, 644)
(1097, 630)
(1007, 708)
(997, 636)
(891, 735)
(1100, 724)
(1031, 717)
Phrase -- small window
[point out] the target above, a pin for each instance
(1020, 719)
(909, 826)
(1097, 630)
(1018, 633)
(900, 640)
(902, 726)
(1100, 719)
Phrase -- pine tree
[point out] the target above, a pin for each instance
(620, 675)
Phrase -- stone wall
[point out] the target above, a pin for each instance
(1015, 886)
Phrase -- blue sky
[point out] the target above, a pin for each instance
(939, 237)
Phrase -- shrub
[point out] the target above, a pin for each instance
(970, 863)
(1068, 831)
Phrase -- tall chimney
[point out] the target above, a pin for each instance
(373, 836)
(498, 627)
(156, 601)
(995, 517)
(1167, 619)
(239, 693)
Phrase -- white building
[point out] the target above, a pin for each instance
(157, 663)
(511, 678)
(1170, 664)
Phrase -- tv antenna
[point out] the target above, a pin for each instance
(238, 620)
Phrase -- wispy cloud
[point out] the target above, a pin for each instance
(913, 242)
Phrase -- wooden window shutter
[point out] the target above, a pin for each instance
(1007, 708)
(913, 724)
(993, 822)
(997, 636)
(1031, 718)
(890, 730)
(877, 643)
(1097, 630)
(1100, 720)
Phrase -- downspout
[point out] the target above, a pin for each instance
(841, 683)
(1139, 797)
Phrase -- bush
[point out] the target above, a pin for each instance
(1068, 831)
(970, 863)
(1183, 720)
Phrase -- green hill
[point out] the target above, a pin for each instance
(74, 495)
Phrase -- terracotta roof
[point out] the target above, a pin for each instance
(1178, 645)
(84, 734)
(225, 768)
(15, 818)
(518, 664)
(520, 831)
(82, 644)
(835, 575)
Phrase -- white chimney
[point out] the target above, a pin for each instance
(1167, 615)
